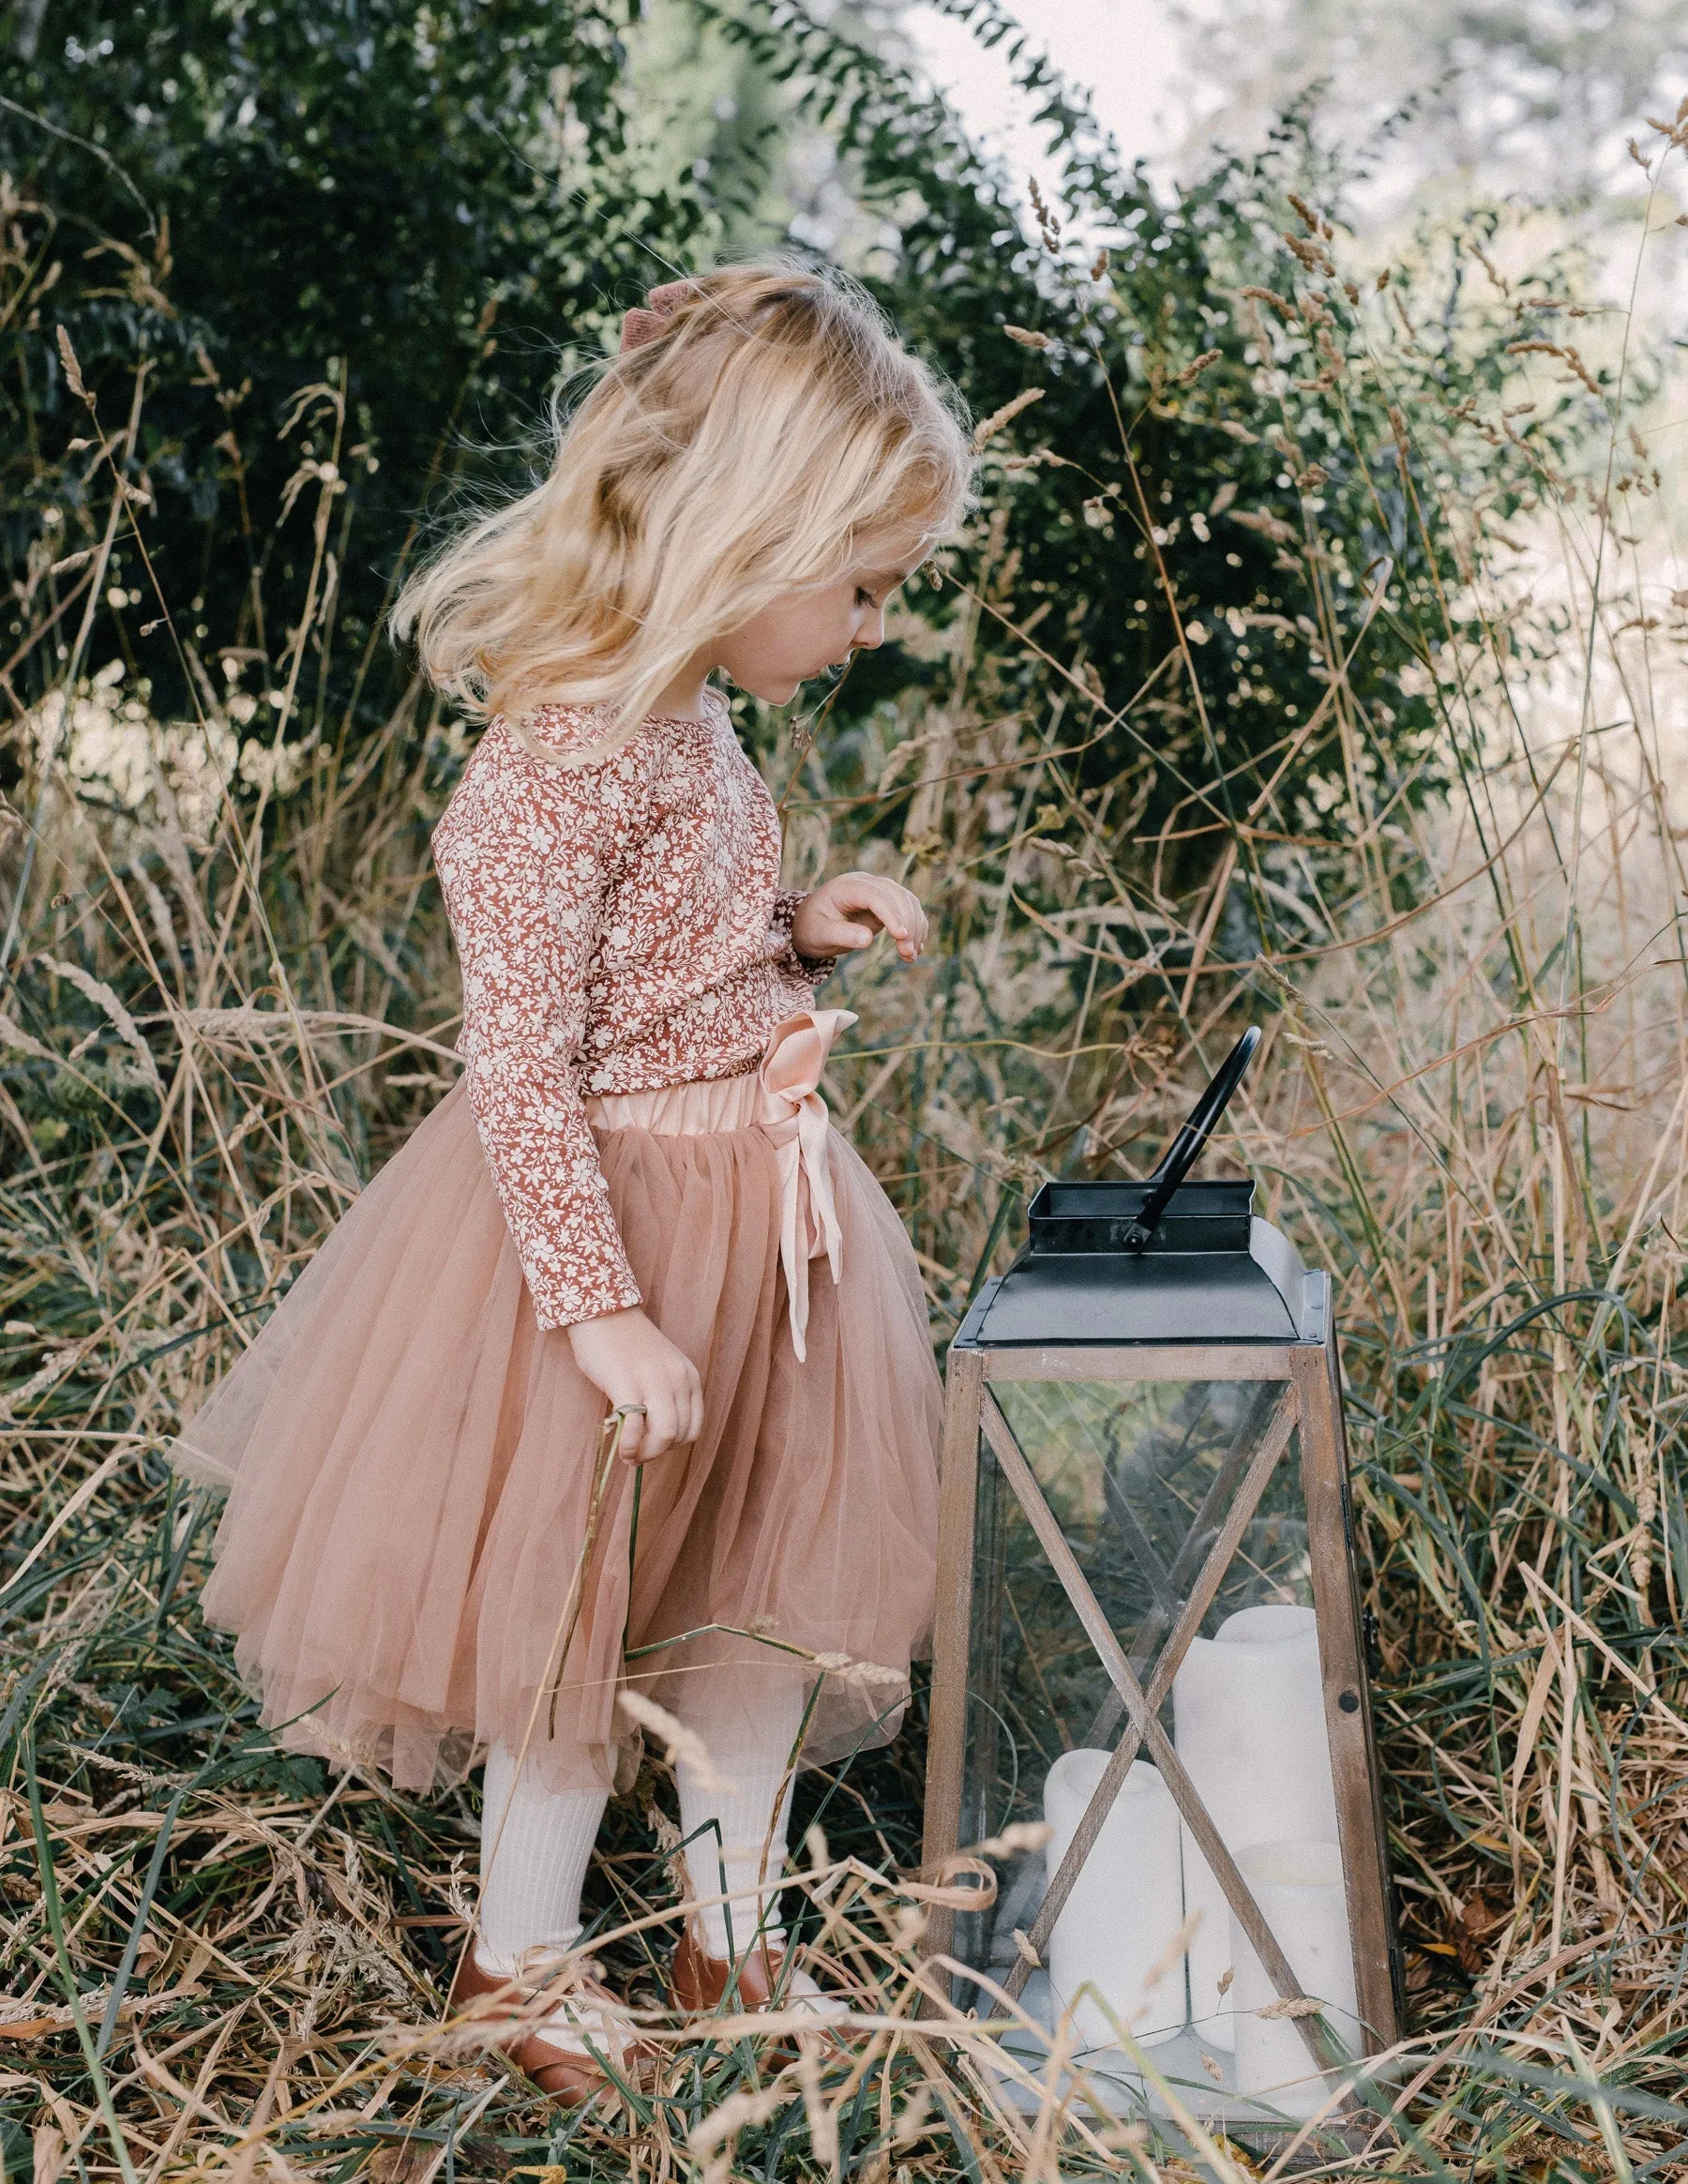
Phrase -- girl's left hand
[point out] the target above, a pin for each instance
(852, 911)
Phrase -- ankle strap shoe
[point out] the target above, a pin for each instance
(698, 1982)
(566, 2074)
(702, 1985)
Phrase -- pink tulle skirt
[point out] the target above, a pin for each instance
(409, 1464)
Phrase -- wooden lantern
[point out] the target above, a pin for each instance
(1148, 1637)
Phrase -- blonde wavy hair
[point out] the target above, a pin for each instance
(746, 441)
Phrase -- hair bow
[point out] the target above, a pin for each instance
(641, 326)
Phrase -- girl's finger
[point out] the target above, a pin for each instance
(906, 917)
(633, 1435)
(905, 921)
(892, 916)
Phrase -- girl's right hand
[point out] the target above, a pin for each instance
(629, 1358)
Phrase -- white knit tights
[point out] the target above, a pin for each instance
(536, 1843)
(734, 1813)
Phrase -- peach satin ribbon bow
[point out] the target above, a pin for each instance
(639, 327)
(795, 1117)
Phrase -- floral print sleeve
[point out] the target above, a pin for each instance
(812, 969)
(524, 867)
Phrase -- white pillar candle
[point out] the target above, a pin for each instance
(1299, 1888)
(1248, 1709)
(1118, 1926)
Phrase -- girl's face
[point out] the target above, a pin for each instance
(804, 633)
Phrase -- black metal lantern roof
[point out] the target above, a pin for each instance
(1160, 1260)
(1209, 1272)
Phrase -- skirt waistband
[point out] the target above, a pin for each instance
(683, 1110)
(783, 1100)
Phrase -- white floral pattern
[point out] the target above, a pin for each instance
(621, 928)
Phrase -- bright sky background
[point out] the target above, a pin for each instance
(1128, 53)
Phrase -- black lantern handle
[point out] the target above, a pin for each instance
(1187, 1147)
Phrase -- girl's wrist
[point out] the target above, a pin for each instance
(617, 1314)
(816, 963)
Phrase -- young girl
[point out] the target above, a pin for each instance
(631, 1204)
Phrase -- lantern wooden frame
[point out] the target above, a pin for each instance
(1308, 1374)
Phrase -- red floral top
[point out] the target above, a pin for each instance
(620, 929)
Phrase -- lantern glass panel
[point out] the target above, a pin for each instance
(1140, 1479)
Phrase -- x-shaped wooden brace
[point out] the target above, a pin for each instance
(1168, 1583)
(1143, 1706)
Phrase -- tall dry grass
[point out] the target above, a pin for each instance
(230, 995)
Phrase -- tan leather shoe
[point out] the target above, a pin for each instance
(699, 1983)
(565, 2075)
